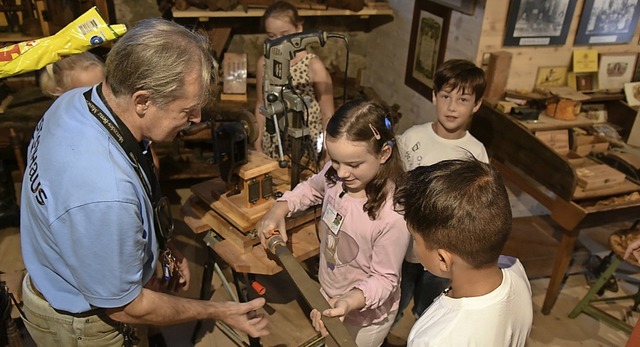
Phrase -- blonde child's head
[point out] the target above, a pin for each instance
(79, 70)
(361, 143)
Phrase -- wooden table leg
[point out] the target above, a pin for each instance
(205, 289)
(565, 250)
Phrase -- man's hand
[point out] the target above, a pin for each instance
(244, 317)
(182, 277)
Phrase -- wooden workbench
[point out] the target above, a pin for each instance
(230, 235)
(549, 178)
(209, 208)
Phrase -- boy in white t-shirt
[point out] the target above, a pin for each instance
(459, 216)
(457, 95)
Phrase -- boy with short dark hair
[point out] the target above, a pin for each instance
(457, 95)
(459, 216)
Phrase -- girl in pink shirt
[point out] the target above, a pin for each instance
(362, 239)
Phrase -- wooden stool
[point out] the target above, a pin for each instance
(618, 241)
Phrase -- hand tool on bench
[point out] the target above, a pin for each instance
(309, 290)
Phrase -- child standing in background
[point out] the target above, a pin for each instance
(308, 75)
(362, 239)
(74, 71)
(457, 95)
(459, 215)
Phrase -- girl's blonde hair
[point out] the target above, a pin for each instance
(55, 78)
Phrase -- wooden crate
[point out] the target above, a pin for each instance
(558, 140)
(585, 144)
(598, 177)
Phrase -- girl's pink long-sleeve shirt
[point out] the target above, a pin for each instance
(363, 254)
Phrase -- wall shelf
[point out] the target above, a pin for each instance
(203, 15)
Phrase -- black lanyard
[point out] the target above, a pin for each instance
(125, 139)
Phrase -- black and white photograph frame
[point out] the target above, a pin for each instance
(538, 23)
(607, 22)
(616, 69)
(463, 6)
(427, 45)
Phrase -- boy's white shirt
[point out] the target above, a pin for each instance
(502, 317)
(421, 146)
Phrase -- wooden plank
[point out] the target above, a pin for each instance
(192, 218)
(258, 163)
(545, 122)
(218, 38)
(243, 242)
(621, 188)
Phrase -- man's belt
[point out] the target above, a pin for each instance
(92, 312)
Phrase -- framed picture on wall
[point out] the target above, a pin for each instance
(464, 6)
(632, 93)
(551, 76)
(607, 22)
(427, 44)
(538, 23)
(615, 70)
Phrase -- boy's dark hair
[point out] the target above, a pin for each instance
(460, 73)
(457, 205)
(282, 10)
(354, 121)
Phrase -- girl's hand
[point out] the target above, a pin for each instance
(340, 309)
(273, 222)
(316, 321)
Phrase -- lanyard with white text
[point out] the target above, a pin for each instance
(125, 139)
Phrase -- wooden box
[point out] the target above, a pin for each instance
(574, 159)
(598, 177)
(558, 140)
(585, 144)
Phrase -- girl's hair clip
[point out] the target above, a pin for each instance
(387, 122)
(376, 134)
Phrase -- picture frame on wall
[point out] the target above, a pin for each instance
(551, 76)
(538, 23)
(427, 44)
(607, 22)
(632, 93)
(464, 6)
(584, 82)
(616, 69)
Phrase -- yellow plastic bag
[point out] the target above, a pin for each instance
(85, 32)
